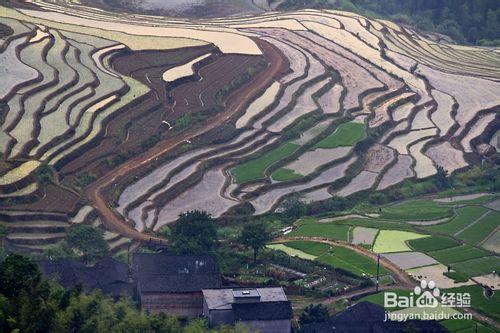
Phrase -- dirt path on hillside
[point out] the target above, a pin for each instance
(236, 102)
(402, 278)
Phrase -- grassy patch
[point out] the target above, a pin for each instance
(416, 210)
(432, 243)
(465, 326)
(478, 266)
(464, 217)
(458, 253)
(487, 306)
(376, 223)
(482, 229)
(351, 261)
(323, 230)
(254, 169)
(347, 134)
(379, 297)
(291, 251)
(394, 241)
(313, 248)
(284, 174)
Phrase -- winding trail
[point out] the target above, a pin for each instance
(236, 102)
(402, 278)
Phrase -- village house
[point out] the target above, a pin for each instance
(366, 317)
(173, 284)
(109, 275)
(265, 310)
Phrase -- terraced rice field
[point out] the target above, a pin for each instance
(389, 241)
(351, 261)
(150, 112)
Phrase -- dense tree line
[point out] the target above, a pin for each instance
(466, 21)
(29, 303)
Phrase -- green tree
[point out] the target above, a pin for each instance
(193, 232)
(17, 273)
(255, 235)
(86, 242)
(441, 179)
(314, 314)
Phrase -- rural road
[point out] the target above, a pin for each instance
(236, 102)
(401, 276)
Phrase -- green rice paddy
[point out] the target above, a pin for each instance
(351, 261)
(389, 241)
(416, 210)
(255, 169)
(347, 134)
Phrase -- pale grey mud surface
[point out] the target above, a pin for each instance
(407, 260)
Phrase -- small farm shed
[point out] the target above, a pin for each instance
(366, 317)
(265, 310)
(109, 275)
(173, 283)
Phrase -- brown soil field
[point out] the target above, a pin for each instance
(53, 199)
(126, 133)
(235, 104)
(201, 95)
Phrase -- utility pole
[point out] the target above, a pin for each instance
(378, 271)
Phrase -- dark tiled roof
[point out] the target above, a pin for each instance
(366, 317)
(262, 311)
(170, 273)
(109, 275)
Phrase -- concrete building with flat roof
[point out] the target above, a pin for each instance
(266, 310)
